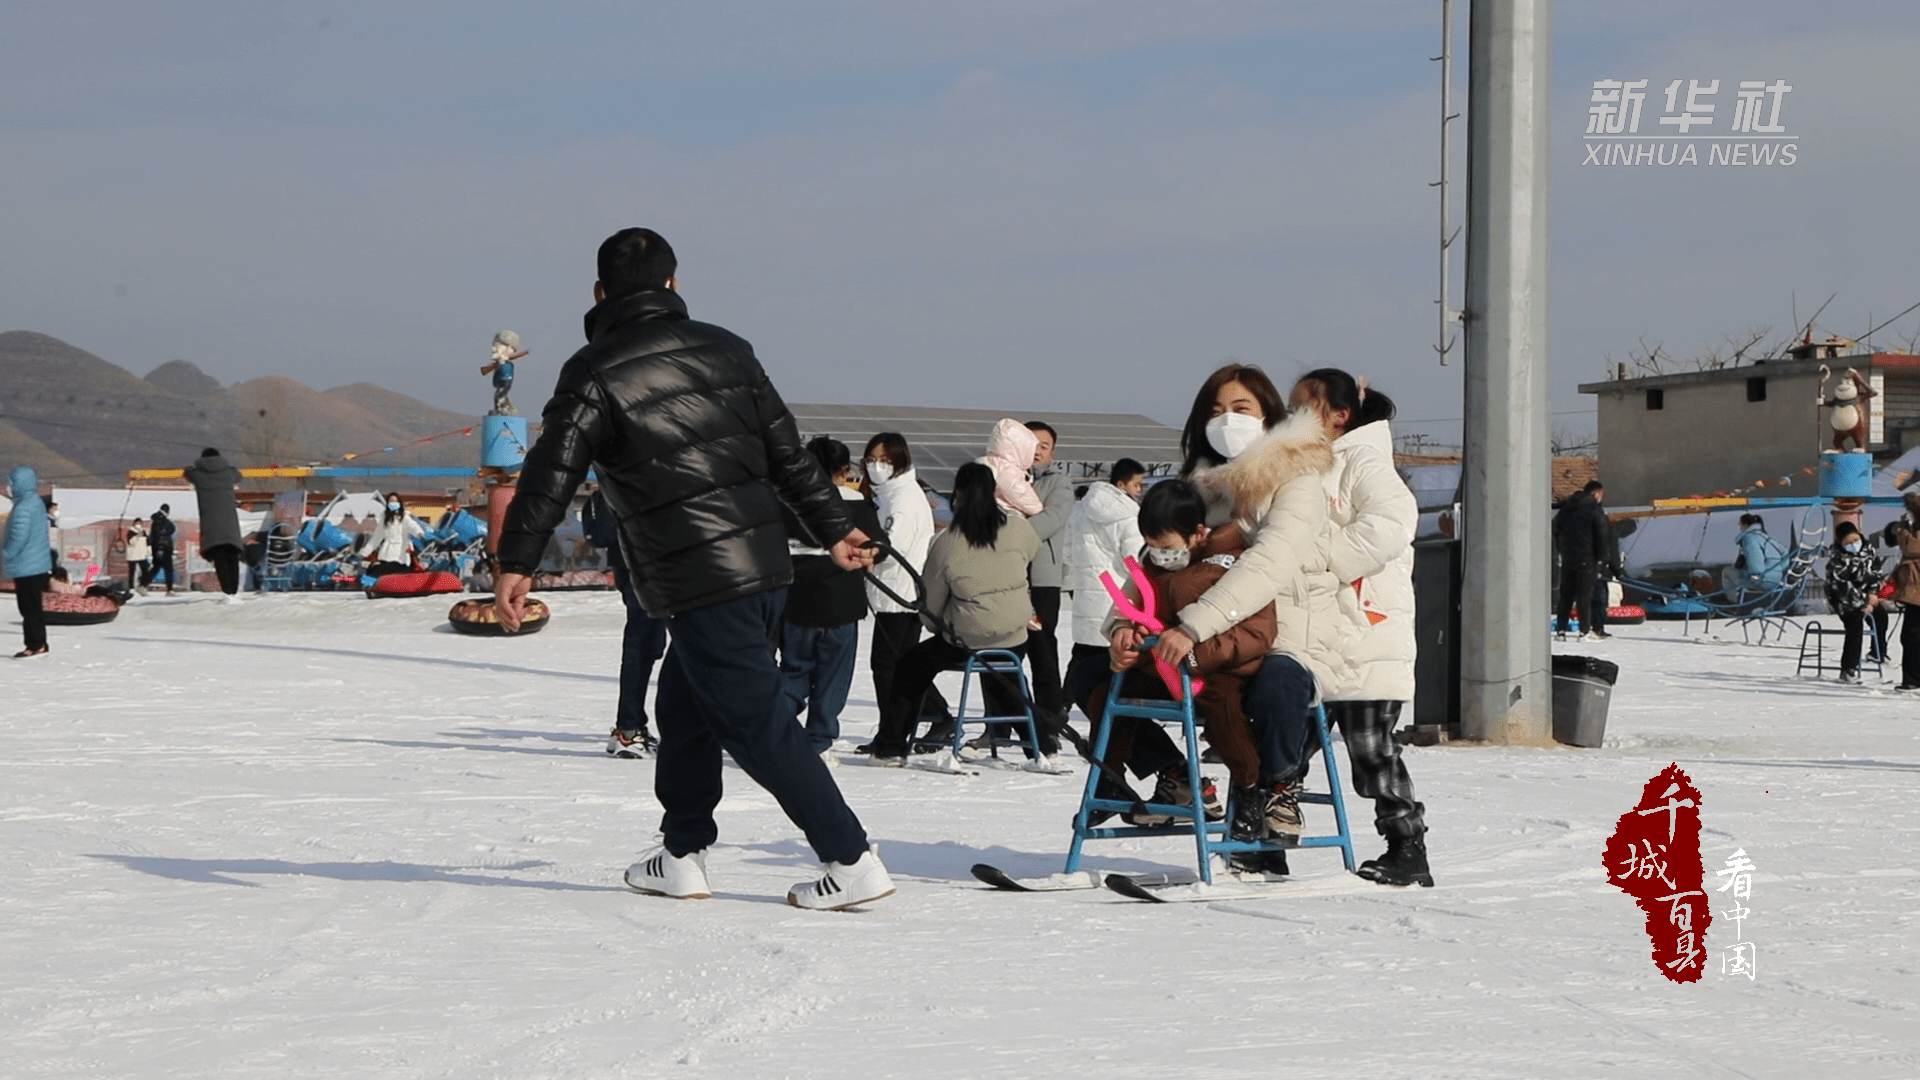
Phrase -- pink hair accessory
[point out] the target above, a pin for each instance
(1361, 382)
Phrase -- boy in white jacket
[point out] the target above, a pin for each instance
(1104, 529)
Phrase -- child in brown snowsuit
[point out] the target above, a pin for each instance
(1183, 559)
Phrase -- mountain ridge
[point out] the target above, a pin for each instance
(82, 420)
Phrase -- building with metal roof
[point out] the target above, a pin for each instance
(942, 440)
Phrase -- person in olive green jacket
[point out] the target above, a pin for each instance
(976, 598)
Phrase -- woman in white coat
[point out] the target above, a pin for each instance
(908, 520)
(389, 548)
(1371, 519)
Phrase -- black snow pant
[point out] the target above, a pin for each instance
(915, 673)
(720, 688)
(226, 567)
(1577, 581)
(1855, 624)
(894, 632)
(27, 594)
(1043, 655)
(162, 563)
(1910, 645)
(1378, 772)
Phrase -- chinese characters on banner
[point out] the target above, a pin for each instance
(1754, 133)
(1738, 958)
(1654, 857)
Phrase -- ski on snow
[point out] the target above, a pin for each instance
(1083, 879)
(1249, 887)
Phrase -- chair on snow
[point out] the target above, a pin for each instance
(1209, 837)
(1005, 663)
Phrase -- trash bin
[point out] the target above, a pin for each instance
(1582, 686)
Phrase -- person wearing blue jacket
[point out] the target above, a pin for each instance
(29, 558)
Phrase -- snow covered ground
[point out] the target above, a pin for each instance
(323, 836)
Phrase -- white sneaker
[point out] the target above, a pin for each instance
(659, 873)
(1593, 636)
(845, 885)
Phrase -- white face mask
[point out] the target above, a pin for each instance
(879, 471)
(1231, 433)
(1168, 558)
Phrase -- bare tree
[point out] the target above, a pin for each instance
(1568, 442)
(1732, 350)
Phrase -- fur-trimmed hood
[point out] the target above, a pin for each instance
(1295, 447)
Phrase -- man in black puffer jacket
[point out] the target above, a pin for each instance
(1586, 542)
(696, 454)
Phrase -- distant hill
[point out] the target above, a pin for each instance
(81, 420)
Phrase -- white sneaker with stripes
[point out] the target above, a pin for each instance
(659, 873)
(845, 885)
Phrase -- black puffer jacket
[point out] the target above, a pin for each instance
(695, 452)
(1583, 532)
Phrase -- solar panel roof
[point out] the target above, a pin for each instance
(942, 440)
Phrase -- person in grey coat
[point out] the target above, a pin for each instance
(1046, 579)
(213, 483)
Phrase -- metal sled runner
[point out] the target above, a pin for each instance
(1209, 837)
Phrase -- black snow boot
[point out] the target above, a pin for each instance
(1249, 814)
(1270, 863)
(1405, 863)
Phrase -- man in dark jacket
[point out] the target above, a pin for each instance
(213, 483)
(1585, 538)
(641, 645)
(696, 453)
(160, 535)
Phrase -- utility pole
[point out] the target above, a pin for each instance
(1506, 681)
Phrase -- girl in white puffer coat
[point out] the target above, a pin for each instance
(1371, 520)
(907, 518)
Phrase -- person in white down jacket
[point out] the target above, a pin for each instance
(389, 548)
(908, 520)
(1104, 529)
(1371, 519)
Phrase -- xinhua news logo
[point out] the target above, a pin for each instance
(1755, 135)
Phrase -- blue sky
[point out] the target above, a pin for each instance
(1044, 204)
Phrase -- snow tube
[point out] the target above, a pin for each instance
(65, 609)
(476, 617)
(421, 583)
(1626, 615)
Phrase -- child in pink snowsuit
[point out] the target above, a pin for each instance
(1010, 453)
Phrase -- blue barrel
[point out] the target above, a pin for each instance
(503, 441)
(1846, 476)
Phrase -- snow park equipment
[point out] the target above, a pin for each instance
(1764, 597)
(1582, 688)
(477, 617)
(1006, 664)
(65, 609)
(1210, 838)
(418, 583)
(1813, 648)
